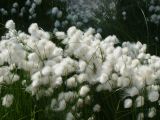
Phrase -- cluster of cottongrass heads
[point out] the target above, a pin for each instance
(85, 61)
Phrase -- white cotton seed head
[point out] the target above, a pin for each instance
(139, 82)
(53, 103)
(71, 82)
(13, 10)
(61, 96)
(35, 83)
(58, 81)
(7, 100)
(143, 48)
(82, 65)
(49, 92)
(84, 90)
(60, 35)
(152, 112)
(139, 101)
(69, 96)
(59, 70)
(82, 78)
(80, 102)
(15, 78)
(33, 28)
(33, 57)
(46, 70)
(153, 96)
(123, 82)
(140, 116)
(135, 63)
(128, 103)
(97, 108)
(69, 116)
(57, 52)
(54, 10)
(62, 105)
(24, 83)
(59, 14)
(103, 78)
(98, 36)
(117, 52)
(71, 31)
(38, 2)
(36, 76)
(10, 25)
(141, 56)
(132, 91)
(125, 50)
(112, 39)
(114, 77)
(90, 31)
(57, 23)
(99, 88)
(15, 5)
(147, 73)
(87, 99)
(153, 88)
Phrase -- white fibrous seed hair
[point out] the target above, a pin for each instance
(153, 96)
(133, 91)
(7, 100)
(128, 103)
(10, 24)
(38, 1)
(71, 82)
(139, 101)
(97, 108)
(152, 112)
(69, 116)
(84, 90)
(60, 35)
(140, 116)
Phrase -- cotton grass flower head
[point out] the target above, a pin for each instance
(10, 25)
(128, 103)
(103, 78)
(38, 1)
(69, 116)
(54, 10)
(97, 108)
(82, 66)
(84, 90)
(152, 112)
(60, 35)
(140, 116)
(33, 28)
(133, 91)
(61, 106)
(153, 96)
(71, 82)
(80, 102)
(46, 70)
(139, 101)
(7, 100)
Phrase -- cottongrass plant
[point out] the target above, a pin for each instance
(74, 81)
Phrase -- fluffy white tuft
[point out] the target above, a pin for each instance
(84, 90)
(128, 103)
(7, 100)
(10, 25)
